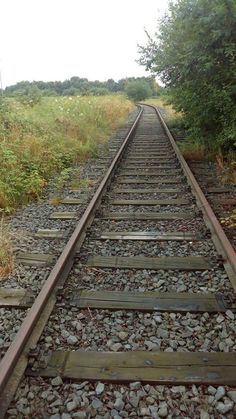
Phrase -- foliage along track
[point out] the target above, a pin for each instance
(142, 292)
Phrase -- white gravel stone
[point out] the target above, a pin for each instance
(71, 405)
(211, 390)
(220, 318)
(219, 393)
(144, 411)
(136, 385)
(163, 411)
(224, 407)
(115, 347)
(79, 415)
(134, 400)
(232, 395)
(57, 381)
(123, 335)
(72, 340)
(66, 416)
(119, 404)
(230, 314)
(204, 414)
(96, 404)
(99, 388)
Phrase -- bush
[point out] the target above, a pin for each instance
(31, 96)
(194, 55)
(138, 90)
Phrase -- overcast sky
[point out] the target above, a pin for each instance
(58, 39)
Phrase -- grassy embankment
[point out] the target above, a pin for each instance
(38, 143)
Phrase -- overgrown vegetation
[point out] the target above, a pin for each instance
(194, 54)
(39, 141)
(229, 222)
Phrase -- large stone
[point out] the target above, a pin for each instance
(204, 414)
(115, 347)
(224, 407)
(119, 404)
(230, 314)
(163, 411)
(136, 385)
(220, 392)
(96, 404)
(57, 381)
(72, 340)
(99, 388)
(232, 395)
(71, 405)
(211, 390)
(134, 401)
(123, 335)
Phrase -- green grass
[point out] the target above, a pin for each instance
(39, 142)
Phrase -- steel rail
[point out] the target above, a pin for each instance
(219, 238)
(61, 267)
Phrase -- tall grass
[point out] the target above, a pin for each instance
(6, 250)
(40, 141)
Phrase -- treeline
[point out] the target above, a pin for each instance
(79, 86)
(194, 54)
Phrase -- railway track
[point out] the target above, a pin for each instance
(143, 292)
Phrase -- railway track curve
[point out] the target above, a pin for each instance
(149, 254)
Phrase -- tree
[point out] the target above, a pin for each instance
(194, 54)
(30, 96)
(138, 90)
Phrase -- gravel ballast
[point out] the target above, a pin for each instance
(48, 398)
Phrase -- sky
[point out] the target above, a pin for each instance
(57, 39)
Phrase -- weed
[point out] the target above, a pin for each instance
(192, 151)
(61, 180)
(230, 221)
(227, 168)
(82, 184)
(55, 200)
(6, 250)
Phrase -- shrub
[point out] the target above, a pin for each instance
(138, 90)
(30, 96)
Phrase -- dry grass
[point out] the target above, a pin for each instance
(82, 184)
(227, 168)
(193, 151)
(6, 250)
(55, 200)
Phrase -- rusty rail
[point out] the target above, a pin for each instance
(221, 241)
(9, 365)
(60, 269)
